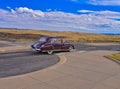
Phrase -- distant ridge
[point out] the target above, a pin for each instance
(111, 34)
(13, 29)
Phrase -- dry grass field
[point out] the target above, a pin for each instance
(32, 35)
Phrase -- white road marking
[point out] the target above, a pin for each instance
(81, 51)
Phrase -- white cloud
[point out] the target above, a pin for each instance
(98, 2)
(104, 2)
(96, 21)
(49, 9)
(85, 11)
(25, 10)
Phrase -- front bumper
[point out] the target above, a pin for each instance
(35, 49)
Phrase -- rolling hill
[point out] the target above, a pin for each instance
(32, 35)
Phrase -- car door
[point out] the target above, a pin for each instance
(65, 46)
(56, 44)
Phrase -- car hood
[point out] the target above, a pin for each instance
(38, 43)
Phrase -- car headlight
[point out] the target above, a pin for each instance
(42, 45)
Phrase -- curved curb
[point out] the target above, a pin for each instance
(112, 59)
(62, 60)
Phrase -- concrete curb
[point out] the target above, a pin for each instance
(112, 59)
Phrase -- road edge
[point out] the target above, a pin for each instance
(112, 59)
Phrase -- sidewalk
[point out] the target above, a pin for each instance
(81, 70)
(6, 46)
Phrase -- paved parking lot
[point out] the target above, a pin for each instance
(82, 69)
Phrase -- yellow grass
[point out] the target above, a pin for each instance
(115, 56)
(32, 35)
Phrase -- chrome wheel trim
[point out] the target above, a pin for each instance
(50, 52)
(71, 48)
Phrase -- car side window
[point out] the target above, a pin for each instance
(56, 41)
(52, 41)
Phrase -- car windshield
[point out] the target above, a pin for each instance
(43, 39)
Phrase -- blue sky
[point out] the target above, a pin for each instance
(95, 16)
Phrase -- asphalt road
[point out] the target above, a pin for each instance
(97, 46)
(3, 45)
(16, 63)
(82, 70)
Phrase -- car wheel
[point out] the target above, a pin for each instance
(71, 48)
(50, 52)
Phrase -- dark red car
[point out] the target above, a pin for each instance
(51, 44)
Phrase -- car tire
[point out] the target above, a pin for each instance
(50, 52)
(71, 48)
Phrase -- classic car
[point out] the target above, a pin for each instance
(51, 44)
